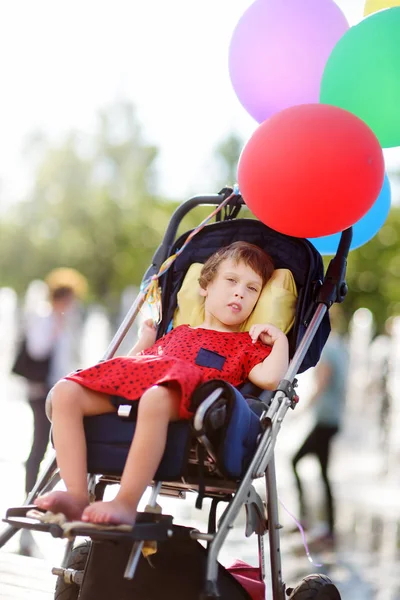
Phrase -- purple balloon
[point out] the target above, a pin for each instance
(279, 50)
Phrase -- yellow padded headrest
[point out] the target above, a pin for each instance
(276, 304)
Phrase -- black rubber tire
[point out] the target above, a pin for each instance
(76, 560)
(315, 587)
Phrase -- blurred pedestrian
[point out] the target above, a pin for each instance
(50, 349)
(327, 403)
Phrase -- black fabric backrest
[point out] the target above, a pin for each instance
(296, 254)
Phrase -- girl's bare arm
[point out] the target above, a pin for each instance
(147, 337)
(269, 373)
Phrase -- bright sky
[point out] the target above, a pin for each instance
(61, 61)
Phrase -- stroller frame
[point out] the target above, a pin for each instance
(332, 290)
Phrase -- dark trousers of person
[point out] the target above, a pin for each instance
(41, 433)
(318, 442)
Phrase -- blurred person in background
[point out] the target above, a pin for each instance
(51, 336)
(327, 403)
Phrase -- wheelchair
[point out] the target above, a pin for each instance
(218, 455)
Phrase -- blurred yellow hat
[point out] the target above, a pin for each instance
(66, 277)
(372, 6)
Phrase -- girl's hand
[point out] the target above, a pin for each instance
(267, 334)
(148, 333)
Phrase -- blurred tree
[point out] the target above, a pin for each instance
(227, 155)
(373, 273)
(92, 207)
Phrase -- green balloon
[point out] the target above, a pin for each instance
(362, 74)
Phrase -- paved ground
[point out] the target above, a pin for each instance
(25, 578)
(364, 565)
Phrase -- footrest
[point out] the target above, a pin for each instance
(148, 527)
(16, 517)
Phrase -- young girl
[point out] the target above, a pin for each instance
(163, 374)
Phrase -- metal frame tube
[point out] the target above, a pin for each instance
(125, 326)
(278, 586)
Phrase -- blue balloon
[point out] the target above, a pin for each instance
(364, 229)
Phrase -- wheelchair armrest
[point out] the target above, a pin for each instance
(212, 411)
(209, 417)
(227, 425)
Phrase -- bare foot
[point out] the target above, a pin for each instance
(115, 512)
(63, 502)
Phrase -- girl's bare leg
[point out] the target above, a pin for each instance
(70, 403)
(157, 407)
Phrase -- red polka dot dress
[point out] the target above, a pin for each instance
(186, 356)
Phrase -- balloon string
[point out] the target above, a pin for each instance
(303, 536)
(151, 287)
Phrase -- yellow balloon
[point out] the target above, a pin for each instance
(372, 6)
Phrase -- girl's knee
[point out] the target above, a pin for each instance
(161, 399)
(63, 393)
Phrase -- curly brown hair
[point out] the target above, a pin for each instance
(249, 254)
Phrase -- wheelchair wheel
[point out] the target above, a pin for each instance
(314, 587)
(76, 561)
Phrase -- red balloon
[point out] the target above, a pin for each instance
(311, 170)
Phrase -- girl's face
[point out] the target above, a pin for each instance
(231, 296)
